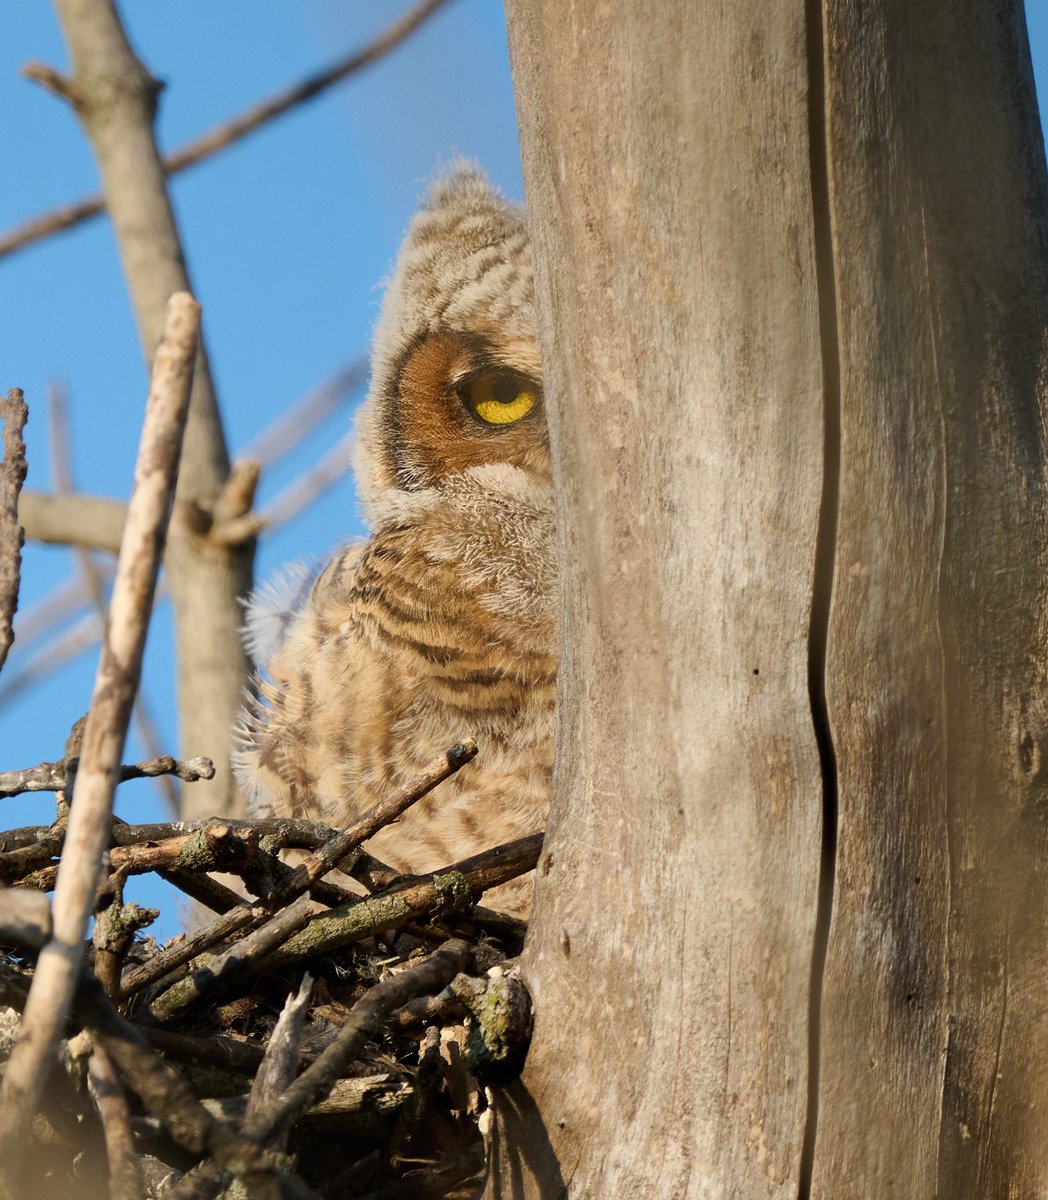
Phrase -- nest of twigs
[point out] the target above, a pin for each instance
(329, 1034)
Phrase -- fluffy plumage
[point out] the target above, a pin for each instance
(443, 624)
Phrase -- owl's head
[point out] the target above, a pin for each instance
(456, 379)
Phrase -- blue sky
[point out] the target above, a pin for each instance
(287, 236)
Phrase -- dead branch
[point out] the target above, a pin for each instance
(218, 138)
(94, 522)
(25, 917)
(94, 577)
(115, 929)
(432, 975)
(106, 727)
(381, 814)
(50, 776)
(281, 1062)
(246, 916)
(348, 1097)
(14, 413)
(220, 972)
(125, 1168)
(161, 1090)
(116, 106)
(454, 887)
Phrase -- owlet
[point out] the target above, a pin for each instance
(442, 625)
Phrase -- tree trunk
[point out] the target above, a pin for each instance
(934, 1077)
(791, 914)
(115, 98)
(665, 155)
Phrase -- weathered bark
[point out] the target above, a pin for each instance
(115, 98)
(667, 178)
(793, 288)
(934, 1077)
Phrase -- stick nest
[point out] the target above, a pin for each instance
(331, 1033)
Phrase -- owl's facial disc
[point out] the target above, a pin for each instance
(462, 401)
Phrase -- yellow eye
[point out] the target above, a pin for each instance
(500, 398)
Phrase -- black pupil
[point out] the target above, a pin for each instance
(505, 391)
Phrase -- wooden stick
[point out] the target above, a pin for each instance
(125, 1168)
(50, 776)
(453, 886)
(89, 823)
(218, 973)
(366, 1019)
(14, 413)
(248, 915)
(369, 1014)
(281, 1061)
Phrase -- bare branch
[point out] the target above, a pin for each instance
(25, 917)
(222, 135)
(218, 973)
(94, 522)
(303, 416)
(90, 818)
(125, 1169)
(454, 886)
(14, 413)
(52, 81)
(379, 815)
(282, 1054)
(366, 1019)
(246, 916)
(116, 104)
(50, 776)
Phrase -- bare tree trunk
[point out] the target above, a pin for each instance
(793, 289)
(935, 1029)
(667, 177)
(115, 97)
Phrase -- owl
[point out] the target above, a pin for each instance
(443, 624)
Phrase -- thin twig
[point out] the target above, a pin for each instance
(90, 819)
(381, 814)
(92, 573)
(50, 776)
(222, 135)
(287, 430)
(161, 1089)
(14, 413)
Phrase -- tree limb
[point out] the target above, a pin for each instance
(116, 104)
(221, 136)
(117, 679)
(14, 413)
(50, 776)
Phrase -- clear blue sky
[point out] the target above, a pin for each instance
(287, 236)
